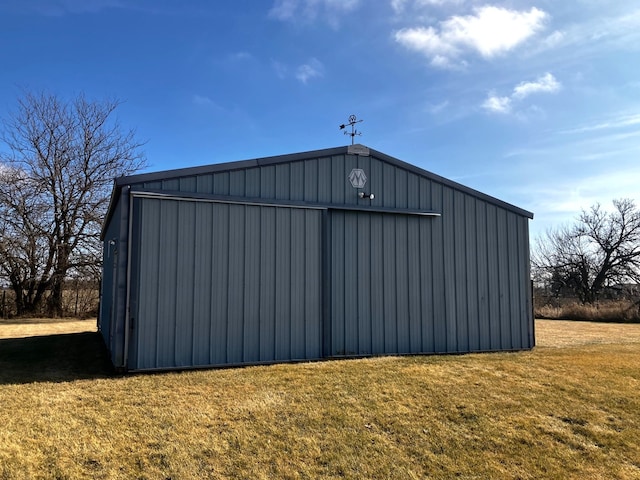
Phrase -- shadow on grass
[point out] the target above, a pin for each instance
(53, 358)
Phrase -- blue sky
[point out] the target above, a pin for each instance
(534, 102)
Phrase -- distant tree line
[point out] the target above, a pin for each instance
(58, 159)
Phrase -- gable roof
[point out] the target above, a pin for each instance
(124, 181)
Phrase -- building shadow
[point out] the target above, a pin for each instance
(53, 358)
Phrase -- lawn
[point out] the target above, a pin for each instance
(568, 409)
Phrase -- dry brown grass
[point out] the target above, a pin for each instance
(616, 311)
(567, 333)
(571, 412)
(31, 327)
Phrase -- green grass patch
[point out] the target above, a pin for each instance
(571, 412)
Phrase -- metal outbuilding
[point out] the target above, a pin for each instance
(330, 253)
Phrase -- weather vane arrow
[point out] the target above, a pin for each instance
(352, 121)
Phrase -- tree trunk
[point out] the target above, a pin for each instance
(25, 306)
(54, 304)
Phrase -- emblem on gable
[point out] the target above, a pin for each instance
(357, 178)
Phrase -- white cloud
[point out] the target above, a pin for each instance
(309, 70)
(553, 40)
(284, 9)
(398, 5)
(497, 104)
(430, 42)
(305, 11)
(547, 83)
(312, 69)
(494, 30)
(490, 32)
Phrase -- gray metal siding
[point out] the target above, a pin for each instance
(393, 292)
(114, 281)
(224, 284)
(108, 287)
(315, 180)
(376, 284)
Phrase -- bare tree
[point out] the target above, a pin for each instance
(55, 180)
(24, 241)
(600, 250)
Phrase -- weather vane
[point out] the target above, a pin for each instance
(352, 121)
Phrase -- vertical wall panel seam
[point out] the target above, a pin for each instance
(500, 293)
(521, 275)
(472, 313)
(291, 268)
(453, 264)
(405, 294)
(175, 289)
(195, 285)
(326, 283)
(464, 321)
(494, 313)
(303, 320)
(420, 280)
(493, 316)
(357, 299)
(383, 251)
(454, 283)
(305, 213)
(344, 283)
(510, 271)
(514, 285)
(174, 285)
(211, 283)
(160, 204)
(259, 275)
(418, 261)
(226, 288)
(396, 219)
(478, 253)
(434, 259)
(370, 319)
(241, 269)
(274, 275)
(509, 279)
(469, 256)
(496, 248)
(444, 272)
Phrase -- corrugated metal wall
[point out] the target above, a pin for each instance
(225, 284)
(113, 291)
(411, 284)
